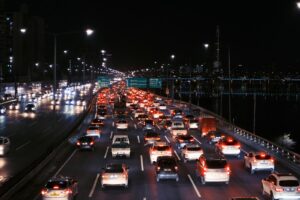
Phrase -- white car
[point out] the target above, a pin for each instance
(93, 131)
(4, 145)
(213, 168)
(122, 125)
(281, 186)
(191, 152)
(259, 161)
(115, 175)
(229, 146)
(159, 149)
(55, 102)
(60, 188)
(120, 149)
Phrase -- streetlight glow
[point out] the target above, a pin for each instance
(89, 32)
(298, 4)
(65, 51)
(23, 30)
(172, 56)
(103, 51)
(206, 45)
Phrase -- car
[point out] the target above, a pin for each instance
(148, 122)
(177, 124)
(97, 122)
(162, 107)
(214, 136)
(193, 124)
(142, 117)
(14, 106)
(175, 132)
(120, 149)
(229, 146)
(93, 131)
(259, 161)
(167, 125)
(151, 137)
(122, 125)
(2, 109)
(137, 113)
(212, 168)
(60, 188)
(191, 152)
(4, 145)
(166, 167)
(86, 142)
(114, 175)
(183, 140)
(281, 186)
(159, 149)
(101, 114)
(30, 107)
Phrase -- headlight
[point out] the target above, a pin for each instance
(10, 107)
(83, 103)
(17, 107)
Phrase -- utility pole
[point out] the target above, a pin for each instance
(54, 69)
(254, 113)
(229, 86)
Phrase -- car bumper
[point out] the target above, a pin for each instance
(114, 182)
(192, 156)
(286, 196)
(208, 178)
(56, 198)
(262, 167)
(232, 152)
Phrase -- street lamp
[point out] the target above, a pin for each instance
(206, 45)
(89, 32)
(23, 30)
(65, 51)
(298, 4)
(172, 57)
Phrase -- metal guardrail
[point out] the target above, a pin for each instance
(6, 102)
(281, 153)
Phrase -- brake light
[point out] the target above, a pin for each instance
(56, 187)
(272, 160)
(44, 191)
(192, 139)
(176, 168)
(298, 189)
(92, 143)
(228, 170)
(204, 170)
(78, 143)
(68, 191)
(237, 146)
(158, 168)
(278, 189)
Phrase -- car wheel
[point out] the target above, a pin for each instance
(202, 180)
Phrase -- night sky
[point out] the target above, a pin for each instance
(260, 33)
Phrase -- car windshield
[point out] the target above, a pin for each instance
(216, 164)
(114, 169)
(58, 185)
(152, 134)
(85, 139)
(193, 121)
(122, 122)
(92, 128)
(289, 183)
(122, 139)
(120, 145)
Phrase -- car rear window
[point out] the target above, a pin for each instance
(93, 128)
(114, 169)
(152, 134)
(161, 148)
(216, 164)
(57, 185)
(233, 142)
(260, 157)
(194, 148)
(85, 139)
(168, 161)
(120, 145)
(289, 183)
(122, 122)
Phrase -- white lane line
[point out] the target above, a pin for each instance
(59, 170)
(105, 155)
(177, 155)
(167, 139)
(157, 126)
(32, 124)
(94, 186)
(23, 145)
(144, 198)
(135, 126)
(138, 139)
(131, 118)
(245, 152)
(113, 123)
(142, 163)
(194, 186)
(197, 140)
(111, 134)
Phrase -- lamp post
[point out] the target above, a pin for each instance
(88, 32)
(172, 60)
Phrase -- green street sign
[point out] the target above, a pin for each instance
(155, 83)
(103, 81)
(137, 82)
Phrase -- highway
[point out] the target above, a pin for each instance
(86, 167)
(33, 134)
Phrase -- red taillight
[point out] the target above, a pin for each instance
(298, 189)
(228, 170)
(91, 143)
(56, 187)
(176, 168)
(158, 168)
(204, 170)
(78, 143)
(192, 140)
(44, 191)
(68, 191)
(272, 160)
(278, 189)
(237, 146)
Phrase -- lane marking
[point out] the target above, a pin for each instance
(59, 170)
(131, 118)
(142, 162)
(197, 140)
(111, 134)
(194, 186)
(105, 155)
(135, 126)
(113, 123)
(144, 198)
(245, 152)
(167, 139)
(158, 127)
(23, 145)
(177, 155)
(94, 186)
(138, 139)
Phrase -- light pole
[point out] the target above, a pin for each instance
(298, 4)
(172, 62)
(88, 32)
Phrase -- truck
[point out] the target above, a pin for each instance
(207, 124)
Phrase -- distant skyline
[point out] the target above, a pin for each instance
(259, 33)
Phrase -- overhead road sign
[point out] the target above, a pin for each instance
(103, 81)
(155, 83)
(137, 82)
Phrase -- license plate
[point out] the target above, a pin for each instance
(84, 143)
(54, 194)
(167, 170)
